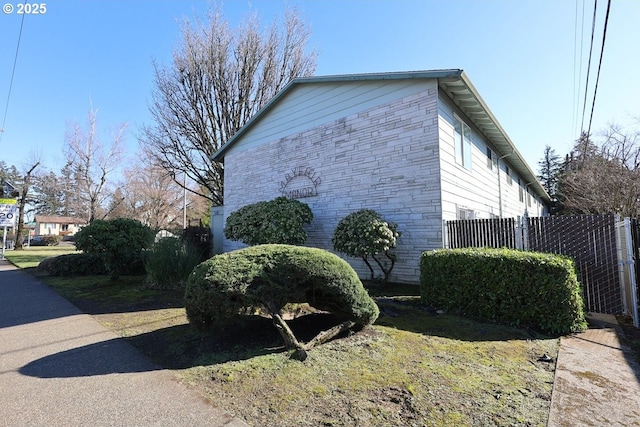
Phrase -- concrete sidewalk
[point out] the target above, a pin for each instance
(597, 380)
(59, 367)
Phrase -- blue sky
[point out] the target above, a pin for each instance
(520, 55)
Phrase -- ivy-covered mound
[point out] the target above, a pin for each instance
(267, 277)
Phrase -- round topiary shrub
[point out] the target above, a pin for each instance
(364, 234)
(267, 277)
(280, 220)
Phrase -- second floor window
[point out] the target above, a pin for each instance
(462, 134)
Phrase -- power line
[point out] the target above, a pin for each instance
(577, 67)
(13, 72)
(595, 90)
(586, 89)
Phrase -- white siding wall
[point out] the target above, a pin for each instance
(384, 157)
(480, 189)
(311, 105)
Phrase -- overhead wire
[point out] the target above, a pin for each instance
(586, 90)
(13, 72)
(595, 90)
(577, 65)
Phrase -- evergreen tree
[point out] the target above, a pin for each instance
(550, 174)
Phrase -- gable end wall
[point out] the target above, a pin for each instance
(384, 158)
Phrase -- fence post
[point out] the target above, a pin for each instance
(525, 231)
(632, 276)
(445, 235)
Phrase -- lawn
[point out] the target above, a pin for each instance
(413, 367)
(30, 257)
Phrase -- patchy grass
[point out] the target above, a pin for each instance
(30, 257)
(413, 367)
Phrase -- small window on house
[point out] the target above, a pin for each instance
(520, 191)
(507, 173)
(65, 227)
(492, 160)
(462, 135)
(464, 213)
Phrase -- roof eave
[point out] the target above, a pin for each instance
(464, 94)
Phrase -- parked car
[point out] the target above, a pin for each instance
(38, 241)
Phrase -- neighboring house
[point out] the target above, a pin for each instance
(58, 225)
(7, 191)
(420, 148)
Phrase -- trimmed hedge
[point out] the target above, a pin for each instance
(522, 288)
(269, 277)
(73, 265)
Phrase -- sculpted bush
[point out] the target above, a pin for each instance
(277, 221)
(267, 277)
(365, 234)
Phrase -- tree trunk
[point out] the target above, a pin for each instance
(21, 206)
(292, 343)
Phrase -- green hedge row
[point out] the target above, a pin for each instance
(73, 265)
(83, 264)
(522, 288)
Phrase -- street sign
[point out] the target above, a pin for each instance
(8, 215)
(8, 201)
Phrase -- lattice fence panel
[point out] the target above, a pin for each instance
(591, 241)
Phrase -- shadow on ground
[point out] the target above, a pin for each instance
(102, 358)
(177, 347)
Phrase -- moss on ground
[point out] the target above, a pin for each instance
(413, 367)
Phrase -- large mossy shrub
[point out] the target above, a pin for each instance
(170, 261)
(523, 288)
(81, 264)
(280, 220)
(268, 277)
(365, 234)
(120, 241)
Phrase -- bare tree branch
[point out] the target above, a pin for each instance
(93, 162)
(218, 80)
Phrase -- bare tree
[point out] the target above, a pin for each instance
(23, 198)
(152, 196)
(219, 78)
(92, 162)
(604, 178)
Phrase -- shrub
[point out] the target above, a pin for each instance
(73, 265)
(120, 241)
(522, 288)
(170, 261)
(277, 221)
(267, 277)
(198, 238)
(365, 234)
(51, 240)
